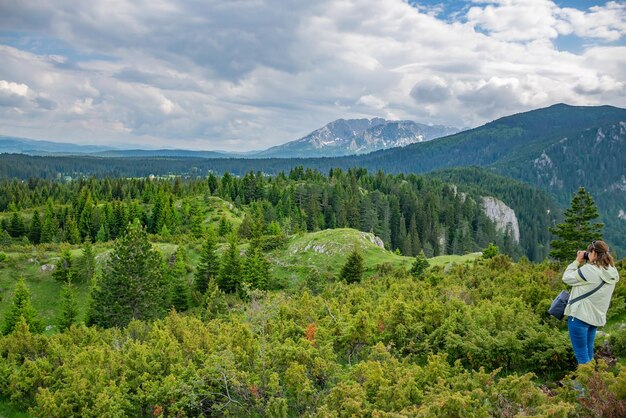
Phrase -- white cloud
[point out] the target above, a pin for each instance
(13, 88)
(251, 74)
(527, 20)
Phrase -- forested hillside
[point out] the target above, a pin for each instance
(409, 213)
(535, 209)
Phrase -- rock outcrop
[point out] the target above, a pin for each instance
(503, 216)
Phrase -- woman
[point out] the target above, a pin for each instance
(593, 283)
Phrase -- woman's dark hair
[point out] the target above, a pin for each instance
(603, 258)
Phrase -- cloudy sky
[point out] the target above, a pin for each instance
(249, 74)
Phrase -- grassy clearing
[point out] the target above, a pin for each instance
(326, 251)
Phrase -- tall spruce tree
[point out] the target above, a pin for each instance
(16, 225)
(69, 306)
(87, 263)
(577, 231)
(21, 308)
(63, 266)
(178, 282)
(34, 233)
(352, 271)
(230, 272)
(256, 268)
(72, 234)
(419, 265)
(209, 266)
(214, 304)
(132, 284)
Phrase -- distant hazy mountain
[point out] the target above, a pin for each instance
(162, 153)
(357, 136)
(14, 145)
(9, 144)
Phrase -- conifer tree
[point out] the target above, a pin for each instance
(72, 234)
(132, 284)
(34, 233)
(214, 304)
(102, 235)
(196, 220)
(352, 271)
(230, 272)
(179, 288)
(491, 251)
(21, 308)
(16, 225)
(419, 265)
(225, 227)
(256, 268)
(87, 263)
(209, 266)
(63, 266)
(5, 237)
(577, 231)
(85, 219)
(50, 227)
(69, 306)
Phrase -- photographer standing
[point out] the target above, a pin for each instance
(593, 276)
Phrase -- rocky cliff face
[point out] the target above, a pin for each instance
(503, 216)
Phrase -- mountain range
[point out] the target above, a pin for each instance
(339, 138)
(357, 136)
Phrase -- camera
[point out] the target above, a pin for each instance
(586, 256)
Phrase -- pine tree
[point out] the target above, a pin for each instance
(72, 234)
(87, 263)
(21, 308)
(230, 272)
(214, 304)
(63, 266)
(34, 233)
(352, 271)
(225, 227)
(419, 265)
(50, 226)
(209, 266)
(245, 229)
(196, 220)
(85, 226)
(69, 306)
(179, 288)
(5, 237)
(491, 251)
(102, 235)
(415, 240)
(132, 284)
(16, 225)
(256, 268)
(577, 231)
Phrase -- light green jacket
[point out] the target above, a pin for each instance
(584, 278)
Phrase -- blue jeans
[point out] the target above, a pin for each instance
(582, 336)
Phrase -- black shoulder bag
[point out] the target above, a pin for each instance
(557, 309)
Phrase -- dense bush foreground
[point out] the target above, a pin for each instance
(471, 341)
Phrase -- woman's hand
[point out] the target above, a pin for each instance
(580, 257)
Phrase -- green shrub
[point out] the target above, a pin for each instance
(617, 342)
